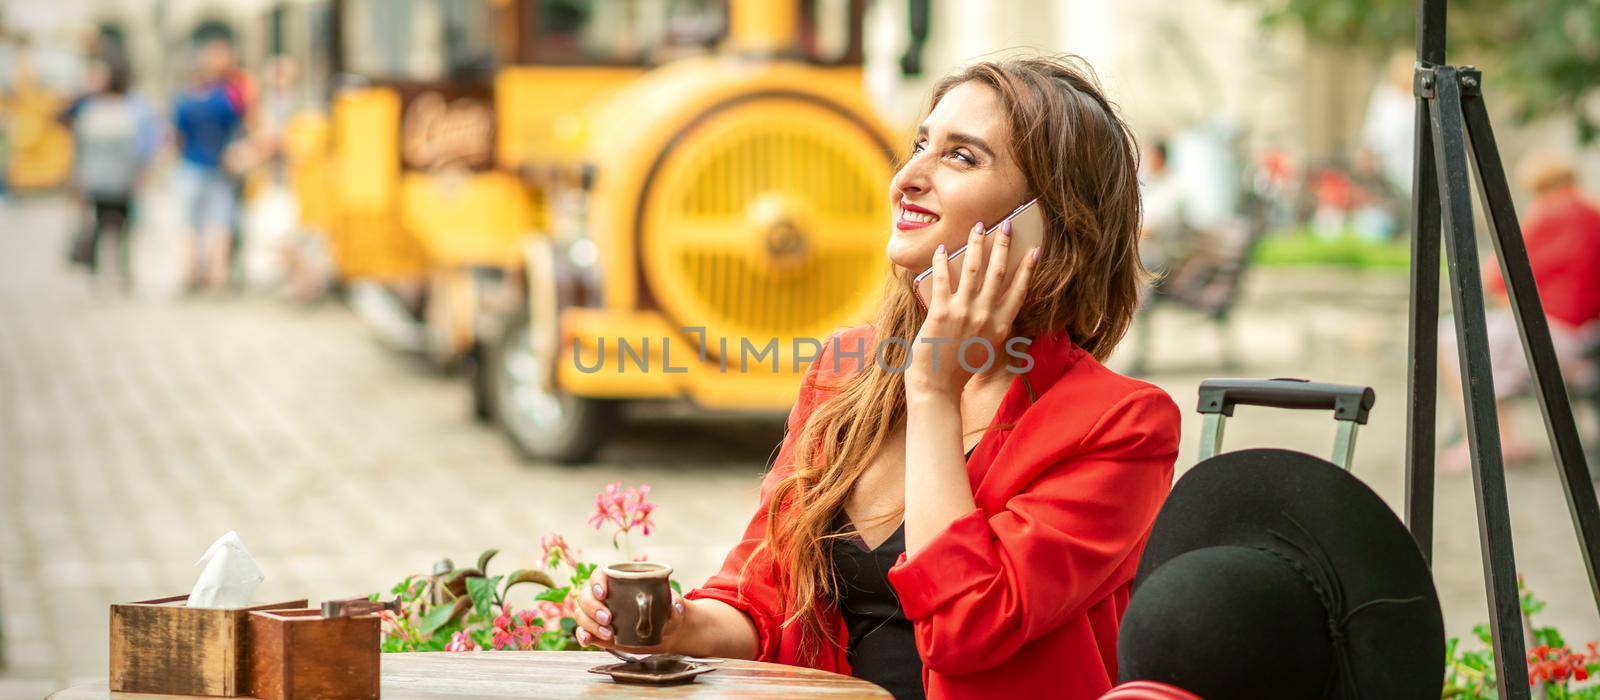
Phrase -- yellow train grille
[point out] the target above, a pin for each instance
(778, 306)
(768, 219)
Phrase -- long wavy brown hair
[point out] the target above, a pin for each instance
(1081, 161)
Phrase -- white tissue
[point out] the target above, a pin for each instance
(230, 577)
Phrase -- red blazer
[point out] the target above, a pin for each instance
(1021, 597)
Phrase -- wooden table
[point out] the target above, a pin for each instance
(496, 675)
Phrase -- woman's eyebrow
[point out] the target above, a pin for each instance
(958, 137)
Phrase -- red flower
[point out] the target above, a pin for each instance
(527, 617)
(503, 621)
(461, 641)
(502, 638)
(1556, 665)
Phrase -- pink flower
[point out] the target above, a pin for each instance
(552, 613)
(503, 621)
(525, 636)
(556, 550)
(391, 625)
(503, 638)
(625, 509)
(461, 641)
(528, 617)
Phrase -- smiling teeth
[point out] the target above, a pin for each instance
(917, 217)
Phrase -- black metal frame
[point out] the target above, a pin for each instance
(1450, 117)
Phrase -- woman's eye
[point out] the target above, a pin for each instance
(965, 157)
(916, 147)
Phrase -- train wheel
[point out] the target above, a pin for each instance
(545, 425)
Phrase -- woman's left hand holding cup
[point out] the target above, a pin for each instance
(595, 620)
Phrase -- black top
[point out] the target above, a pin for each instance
(882, 648)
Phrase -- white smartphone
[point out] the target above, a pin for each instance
(1027, 231)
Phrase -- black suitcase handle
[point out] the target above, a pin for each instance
(1348, 402)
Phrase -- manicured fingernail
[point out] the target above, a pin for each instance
(1006, 229)
(598, 591)
(583, 636)
(977, 227)
(602, 616)
(937, 251)
(678, 606)
(605, 632)
(1035, 255)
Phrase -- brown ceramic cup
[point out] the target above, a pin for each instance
(640, 601)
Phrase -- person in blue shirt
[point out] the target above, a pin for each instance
(206, 118)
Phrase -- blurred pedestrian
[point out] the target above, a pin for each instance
(207, 117)
(243, 156)
(1376, 207)
(114, 137)
(1386, 131)
(1562, 235)
(279, 248)
(1164, 227)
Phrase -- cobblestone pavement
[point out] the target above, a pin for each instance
(134, 431)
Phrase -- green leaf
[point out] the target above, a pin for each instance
(1586, 129)
(1548, 635)
(483, 559)
(675, 587)
(530, 576)
(582, 571)
(436, 618)
(554, 595)
(1479, 660)
(481, 591)
(1530, 605)
(552, 641)
(569, 625)
(1482, 633)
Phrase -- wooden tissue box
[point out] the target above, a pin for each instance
(301, 655)
(164, 646)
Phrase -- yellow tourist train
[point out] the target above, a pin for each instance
(592, 203)
(37, 148)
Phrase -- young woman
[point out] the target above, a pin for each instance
(947, 532)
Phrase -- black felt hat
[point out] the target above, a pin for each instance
(1275, 574)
